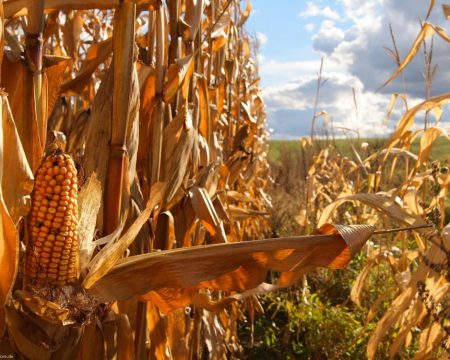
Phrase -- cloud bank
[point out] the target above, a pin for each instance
(352, 37)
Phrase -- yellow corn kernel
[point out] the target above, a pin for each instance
(44, 229)
(52, 254)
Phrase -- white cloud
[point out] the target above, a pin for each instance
(262, 38)
(354, 58)
(362, 44)
(312, 10)
(328, 37)
(310, 27)
(290, 106)
(282, 72)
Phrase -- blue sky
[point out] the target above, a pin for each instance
(289, 40)
(283, 23)
(351, 36)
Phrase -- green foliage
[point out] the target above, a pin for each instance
(440, 150)
(322, 322)
(303, 327)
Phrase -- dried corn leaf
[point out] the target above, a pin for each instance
(96, 55)
(176, 332)
(179, 75)
(193, 17)
(178, 163)
(55, 76)
(416, 311)
(14, 8)
(429, 341)
(72, 31)
(156, 328)
(204, 208)
(89, 201)
(37, 338)
(404, 300)
(427, 30)
(407, 120)
(393, 151)
(99, 130)
(190, 267)
(358, 286)
(398, 306)
(46, 310)
(446, 10)
(92, 345)
(113, 251)
(380, 203)
(392, 104)
(238, 213)
(245, 277)
(426, 142)
(14, 202)
(205, 117)
(430, 8)
(125, 341)
(109, 326)
(9, 252)
(245, 14)
(16, 194)
(220, 27)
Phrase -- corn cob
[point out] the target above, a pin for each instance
(52, 254)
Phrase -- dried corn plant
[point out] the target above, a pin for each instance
(134, 132)
(395, 186)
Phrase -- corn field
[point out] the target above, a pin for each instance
(135, 210)
(134, 162)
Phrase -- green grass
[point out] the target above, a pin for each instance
(440, 150)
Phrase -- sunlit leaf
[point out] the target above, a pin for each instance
(223, 266)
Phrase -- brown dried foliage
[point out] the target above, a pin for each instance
(160, 106)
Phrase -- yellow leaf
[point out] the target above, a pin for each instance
(206, 212)
(112, 252)
(227, 266)
(426, 143)
(179, 75)
(446, 10)
(427, 30)
(407, 120)
(392, 104)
